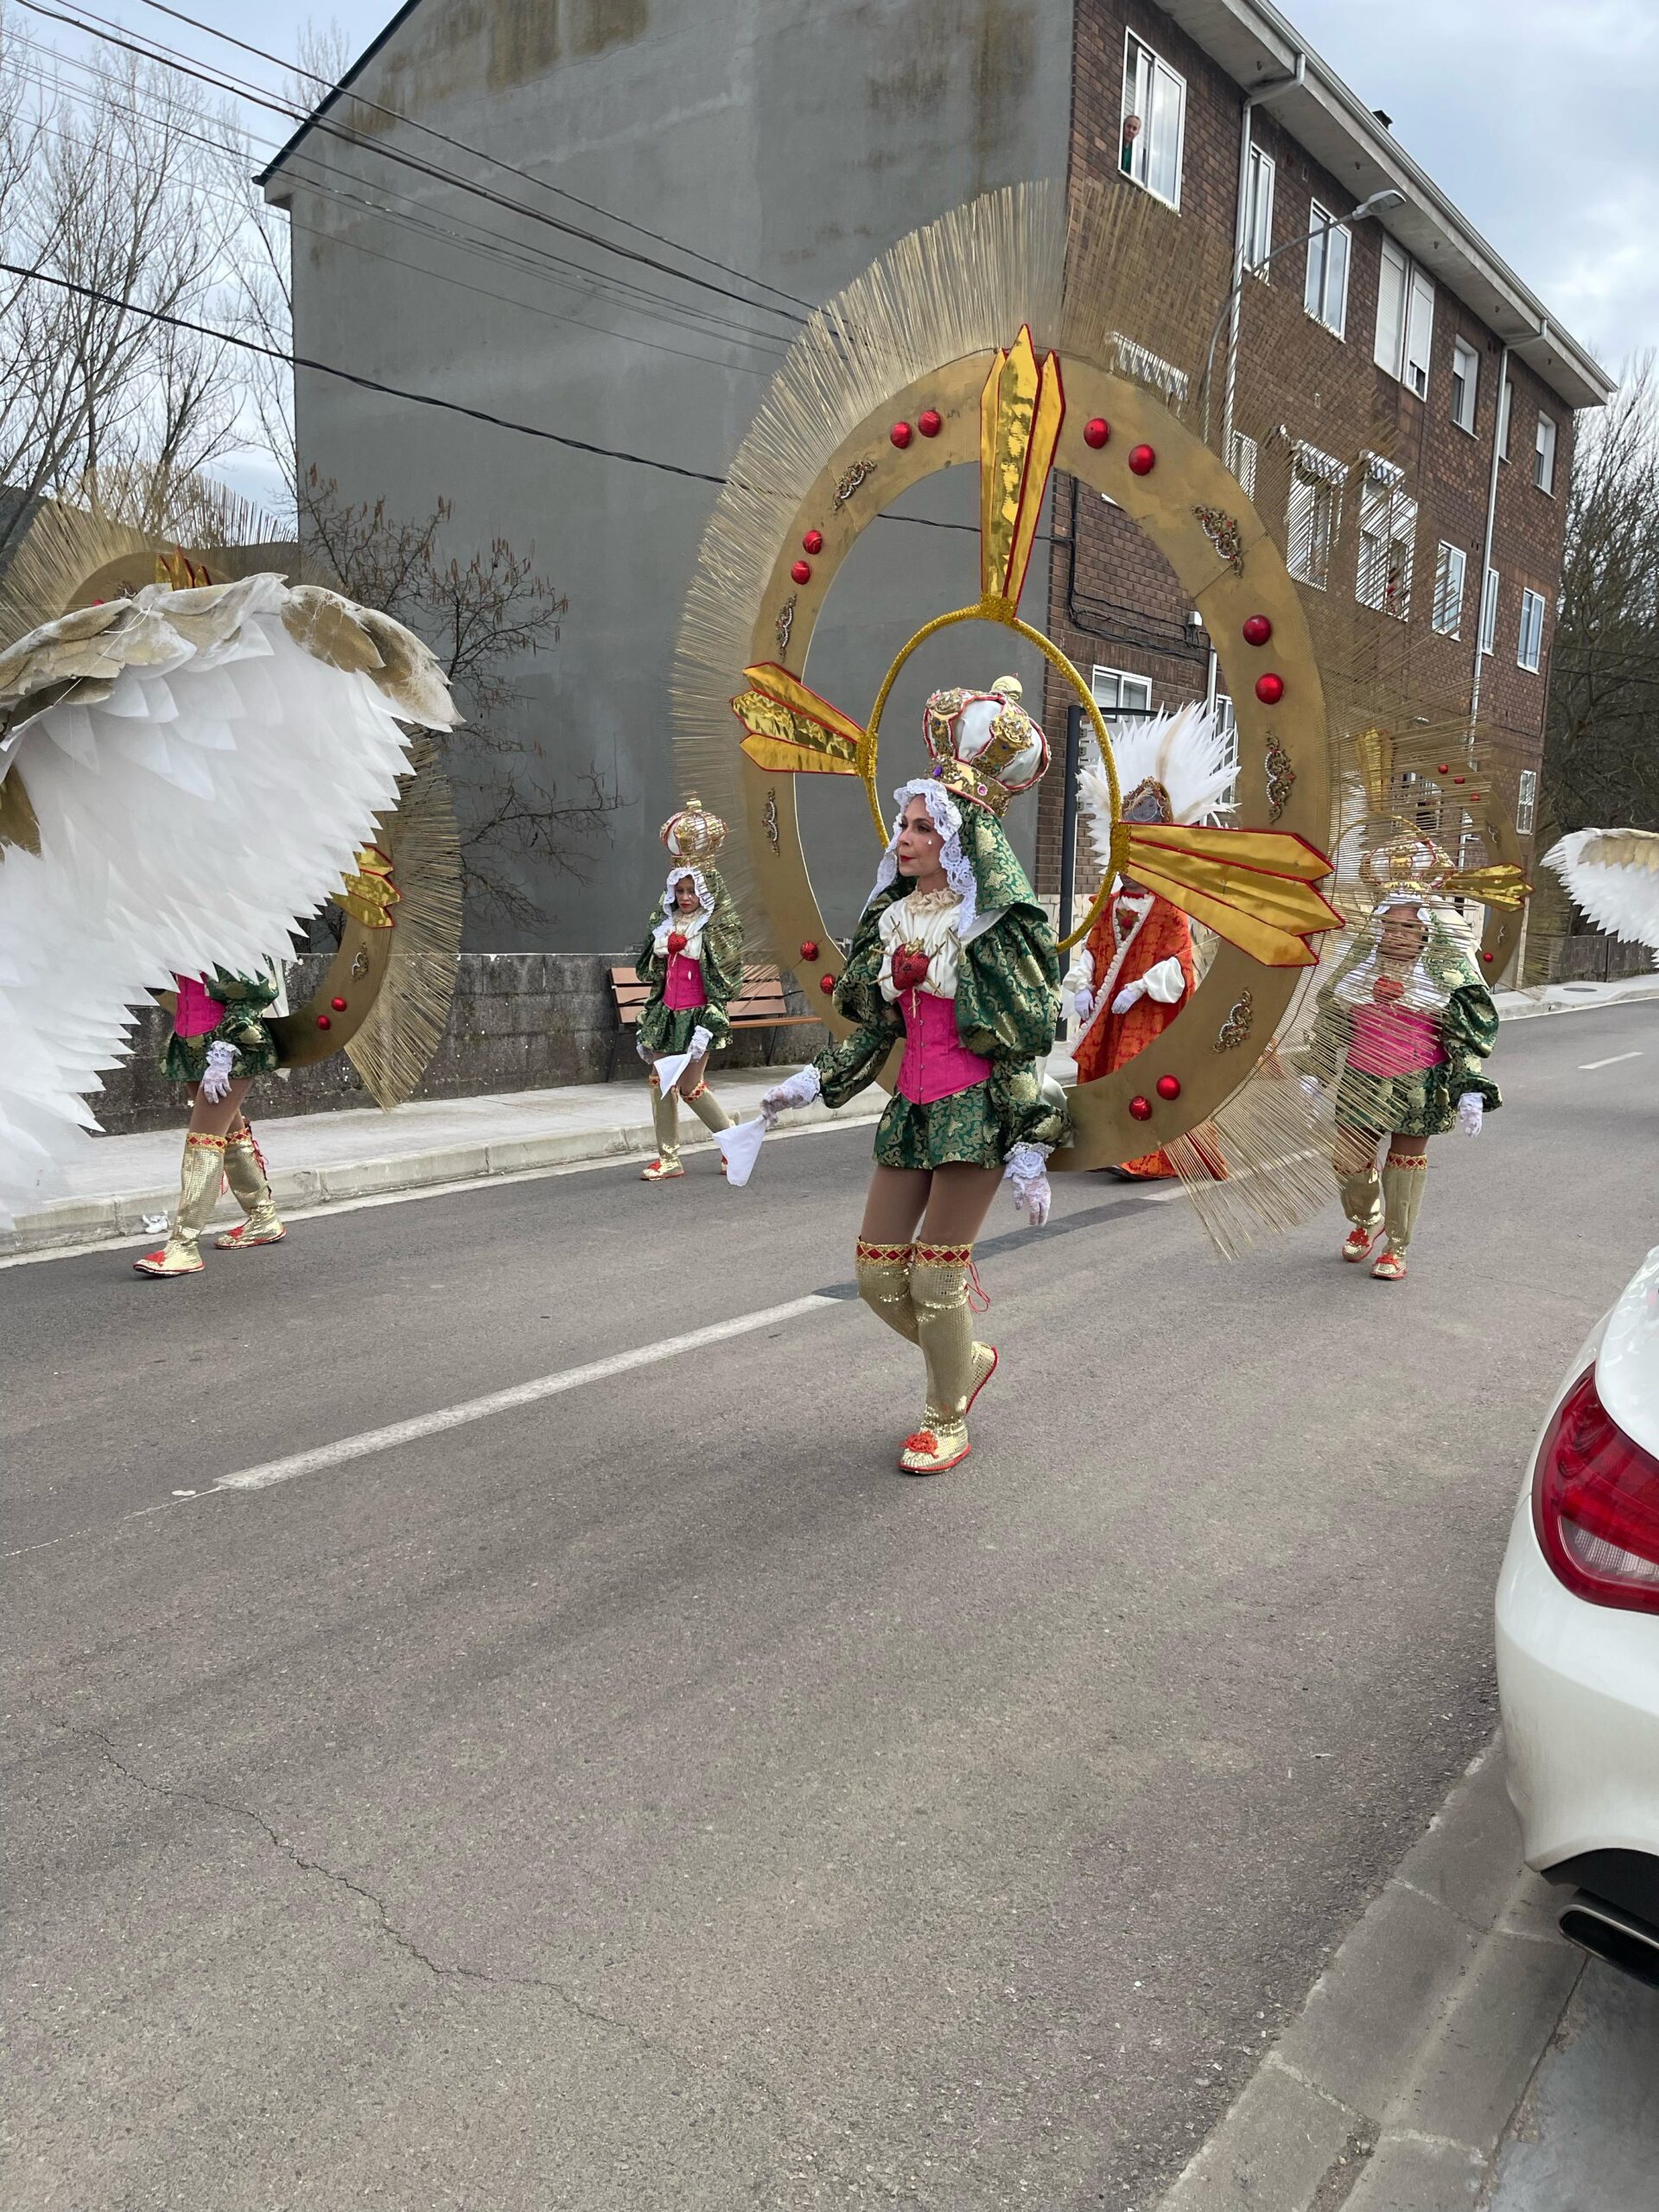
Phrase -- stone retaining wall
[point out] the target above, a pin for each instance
(520, 1021)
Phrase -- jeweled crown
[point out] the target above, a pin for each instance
(694, 834)
(985, 747)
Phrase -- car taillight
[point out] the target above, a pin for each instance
(1595, 1504)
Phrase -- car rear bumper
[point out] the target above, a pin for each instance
(1578, 1688)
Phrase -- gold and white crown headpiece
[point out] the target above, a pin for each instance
(1408, 867)
(985, 747)
(694, 834)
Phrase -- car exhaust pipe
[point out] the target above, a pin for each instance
(1624, 1942)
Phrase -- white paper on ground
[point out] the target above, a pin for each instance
(669, 1070)
(740, 1148)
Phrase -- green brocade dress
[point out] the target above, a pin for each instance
(719, 952)
(242, 1026)
(1424, 1102)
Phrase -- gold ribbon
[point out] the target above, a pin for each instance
(791, 731)
(1501, 883)
(1253, 887)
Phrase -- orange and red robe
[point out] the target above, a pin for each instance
(1136, 932)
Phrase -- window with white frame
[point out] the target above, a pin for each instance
(1505, 408)
(1466, 384)
(1526, 803)
(1388, 537)
(1488, 612)
(1530, 650)
(1543, 455)
(1153, 123)
(1258, 211)
(1243, 460)
(1405, 319)
(1116, 692)
(1451, 566)
(1312, 512)
(1324, 291)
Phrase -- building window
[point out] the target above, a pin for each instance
(1543, 457)
(1466, 384)
(1312, 512)
(1258, 211)
(1526, 803)
(1488, 612)
(1243, 460)
(1325, 293)
(1405, 319)
(1131, 359)
(1530, 651)
(1450, 568)
(1153, 122)
(1505, 408)
(1388, 534)
(1117, 692)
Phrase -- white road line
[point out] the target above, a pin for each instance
(501, 1401)
(1589, 1067)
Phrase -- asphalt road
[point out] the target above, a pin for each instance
(647, 1798)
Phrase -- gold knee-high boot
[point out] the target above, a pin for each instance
(199, 1182)
(666, 1120)
(883, 1272)
(957, 1367)
(1404, 1174)
(1361, 1201)
(708, 1109)
(245, 1171)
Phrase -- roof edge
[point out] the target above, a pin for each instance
(263, 176)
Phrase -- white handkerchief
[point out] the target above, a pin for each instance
(668, 1071)
(740, 1148)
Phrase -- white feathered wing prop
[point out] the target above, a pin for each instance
(188, 775)
(1612, 875)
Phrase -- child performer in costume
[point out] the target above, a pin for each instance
(1401, 1031)
(954, 956)
(221, 1041)
(692, 958)
(1131, 977)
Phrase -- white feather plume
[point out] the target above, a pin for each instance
(1612, 875)
(1183, 750)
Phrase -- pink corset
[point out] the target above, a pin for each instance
(197, 1013)
(683, 992)
(1390, 1040)
(937, 1064)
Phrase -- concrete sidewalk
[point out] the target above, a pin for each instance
(319, 1160)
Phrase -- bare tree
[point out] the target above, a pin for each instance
(482, 617)
(1601, 756)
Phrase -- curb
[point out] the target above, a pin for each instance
(69, 1224)
(1393, 2089)
(1573, 998)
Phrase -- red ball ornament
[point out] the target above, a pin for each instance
(1096, 434)
(813, 541)
(901, 434)
(1459, 780)
(1142, 461)
(1445, 768)
(1487, 957)
(1140, 1110)
(809, 949)
(801, 572)
(930, 422)
(339, 1005)
(1269, 689)
(826, 984)
(1168, 1086)
(323, 1022)
(1257, 629)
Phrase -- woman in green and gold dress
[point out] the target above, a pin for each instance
(954, 956)
(692, 959)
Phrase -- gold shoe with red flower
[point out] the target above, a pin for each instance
(932, 1449)
(661, 1171)
(1357, 1245)
(1389, 1266)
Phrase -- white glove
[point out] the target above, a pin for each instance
(1128, 996)
(1027, 1171)
(700, 1040)
(1083, 1002)
(216, 1075)
(1471, 1108)
(1310, 1086)
(797, 1090)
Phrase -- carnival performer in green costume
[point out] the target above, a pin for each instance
(221, 1041)
(955, 958)
(1400, 1035)
(692, 959)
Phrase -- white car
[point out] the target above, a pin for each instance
(1578, 1640)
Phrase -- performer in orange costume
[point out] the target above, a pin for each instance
(1132, 977)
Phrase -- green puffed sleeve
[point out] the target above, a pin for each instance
(1028, 1111)
(1468, 1032)
(1008, 988)
(244, 999)
(650, 965)
(848, 1065)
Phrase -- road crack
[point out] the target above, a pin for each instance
(440, 1970)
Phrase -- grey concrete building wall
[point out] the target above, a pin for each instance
(791, 139)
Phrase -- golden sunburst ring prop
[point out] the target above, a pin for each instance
(1016, 409)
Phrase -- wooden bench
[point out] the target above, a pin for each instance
(761, 1003)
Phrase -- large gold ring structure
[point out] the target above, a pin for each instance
(1201, 521)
